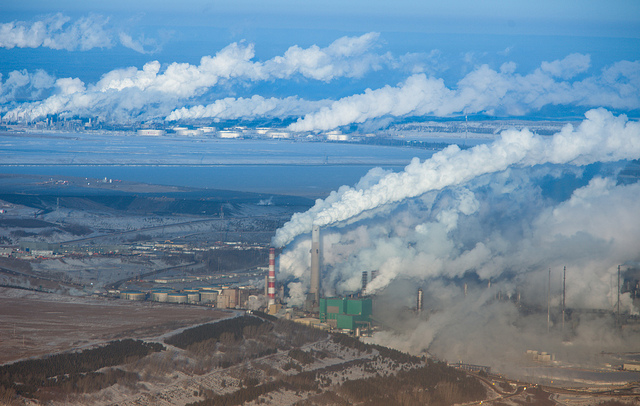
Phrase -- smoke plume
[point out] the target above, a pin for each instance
(479, 230)
(247, 108)
(601, 137)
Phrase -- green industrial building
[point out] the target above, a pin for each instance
(346, 313)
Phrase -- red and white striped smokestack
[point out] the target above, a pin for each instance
(271, 284)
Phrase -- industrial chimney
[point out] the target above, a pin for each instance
(365, 277)
(420, 301)
(271, 283)
(314, 289)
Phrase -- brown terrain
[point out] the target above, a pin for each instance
(35, 324)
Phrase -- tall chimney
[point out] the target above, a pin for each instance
(420, 301)
(549, 302)
(271, 285)
(564, 294)
(314, 289)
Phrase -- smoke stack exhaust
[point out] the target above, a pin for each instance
(365, 277)
(314, 289)
(271, 284)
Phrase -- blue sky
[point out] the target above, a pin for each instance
(299, 58)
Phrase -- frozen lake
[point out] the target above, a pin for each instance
(278, 166)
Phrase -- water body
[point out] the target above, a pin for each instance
(302, 180)
(310, 169)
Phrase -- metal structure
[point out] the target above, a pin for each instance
(346, 313)
(365, 281)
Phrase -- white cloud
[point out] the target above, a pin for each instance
(487, 90)
(568, 67)
(141, 45)
(345, 57)
(155, 91)
(57, 32)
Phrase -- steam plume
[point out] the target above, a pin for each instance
(505, 213)
(601, 137)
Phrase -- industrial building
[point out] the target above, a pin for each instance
(346, 313)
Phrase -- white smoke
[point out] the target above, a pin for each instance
(601, 137)
(24, 85)
(247, 108)
(489, 91)
(495, 213)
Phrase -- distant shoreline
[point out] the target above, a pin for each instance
(211, 165)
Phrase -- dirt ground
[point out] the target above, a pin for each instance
(36, 324)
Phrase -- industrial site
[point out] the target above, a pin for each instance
(319, 203)
(218, 297)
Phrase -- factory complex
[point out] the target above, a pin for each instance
(351, 315)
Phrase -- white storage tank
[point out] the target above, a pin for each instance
(208, 296)
(159, 295)
(132, 295)
(193, 295)
(177, 298)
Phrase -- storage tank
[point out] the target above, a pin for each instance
(137, 296)
(159, 295)
(193, 297)
(177, 298)
(208, 296)
(132, 295)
